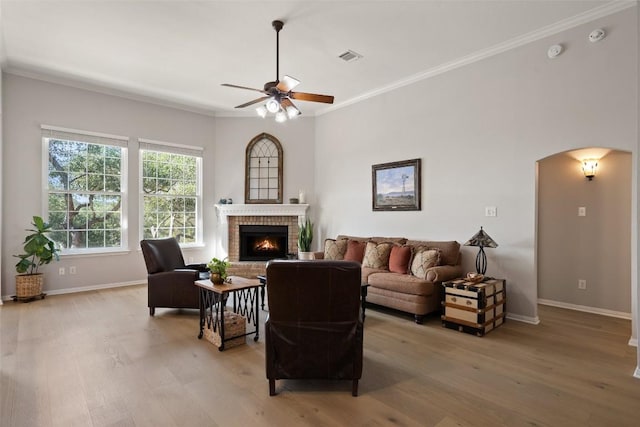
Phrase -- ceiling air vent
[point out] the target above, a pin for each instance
(350, 56)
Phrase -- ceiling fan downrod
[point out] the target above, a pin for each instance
(277, 25)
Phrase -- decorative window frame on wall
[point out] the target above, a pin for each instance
(160, 147)
(89, 189)
(263, 170)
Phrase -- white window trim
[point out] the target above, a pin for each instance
(182, 149)
(89, 137)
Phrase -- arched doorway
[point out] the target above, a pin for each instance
(584, 232)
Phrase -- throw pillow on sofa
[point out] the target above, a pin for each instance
(355, 250)
(335, 249)
(423, 259)
(400, 259)
(376, 255)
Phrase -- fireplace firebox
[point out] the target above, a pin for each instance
(263, 242)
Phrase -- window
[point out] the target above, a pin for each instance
(171, 191)
(85, 189)
(263, 168)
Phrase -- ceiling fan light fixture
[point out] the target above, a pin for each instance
(277, 94)
(281, 116)
(292, 112)
(262, 111)
(272, 105)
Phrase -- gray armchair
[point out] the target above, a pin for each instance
(170, 281)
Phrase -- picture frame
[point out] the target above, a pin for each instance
(396, 186)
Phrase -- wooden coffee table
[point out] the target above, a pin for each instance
(213, 300)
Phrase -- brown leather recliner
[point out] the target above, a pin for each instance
(314, 329)
(170, 281)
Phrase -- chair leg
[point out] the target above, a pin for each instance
(419, 318)
(152, 311)
(354, 388)
(272, 387)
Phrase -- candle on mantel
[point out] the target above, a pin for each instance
(302, 197)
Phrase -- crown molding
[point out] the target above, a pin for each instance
(560, 26)
(134, 94)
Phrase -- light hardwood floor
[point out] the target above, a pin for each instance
(98, 359)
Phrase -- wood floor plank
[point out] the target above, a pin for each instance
(98, 359)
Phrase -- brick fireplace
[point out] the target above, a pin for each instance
(231, 217)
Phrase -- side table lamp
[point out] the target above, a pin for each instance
(481, 240)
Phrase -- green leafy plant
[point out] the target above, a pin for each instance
(305, 236)
(38, 248)
(219, 266)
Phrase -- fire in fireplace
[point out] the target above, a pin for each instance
(263, 242)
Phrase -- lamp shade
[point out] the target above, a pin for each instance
(272, 105)
(481, 239)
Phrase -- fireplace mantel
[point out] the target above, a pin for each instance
(225, 211)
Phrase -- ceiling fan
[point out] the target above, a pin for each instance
(278, 94)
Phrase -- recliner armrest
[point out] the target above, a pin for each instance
(199, 267)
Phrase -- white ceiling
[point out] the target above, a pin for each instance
(179, 52)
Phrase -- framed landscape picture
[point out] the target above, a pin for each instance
(396, 186)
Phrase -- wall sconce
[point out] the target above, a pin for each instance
(589, 167)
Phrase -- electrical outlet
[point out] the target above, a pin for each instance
(582, 211)
(582, 284)
(490, 211)
(72, 269)
(61, 271)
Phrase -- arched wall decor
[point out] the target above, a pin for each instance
(263, 170)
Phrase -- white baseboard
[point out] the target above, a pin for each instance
(637, 372)
(633, 342)
(525, 319)
(87, 288)
(587, 309)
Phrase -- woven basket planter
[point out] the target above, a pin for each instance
(234, 326)
(29, 285)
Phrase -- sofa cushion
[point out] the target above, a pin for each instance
(335, 249)
(402, 283)
(366, 272)
(450, 251)
(400, 258)
(355, 250)
(423, 259)
(376, 255)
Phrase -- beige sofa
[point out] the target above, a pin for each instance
(402, 274)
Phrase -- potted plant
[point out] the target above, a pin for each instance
(305, 237)
(218, 269)
(39, 250)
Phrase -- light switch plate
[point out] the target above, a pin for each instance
(490, 211)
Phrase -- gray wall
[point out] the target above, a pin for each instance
(595, 247)
(479, 130)
(27, 104)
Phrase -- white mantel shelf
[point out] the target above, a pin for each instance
(225, 211)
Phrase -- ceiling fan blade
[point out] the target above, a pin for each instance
(287, 84)
(314, 97)
(255, 101)
(243, 87)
